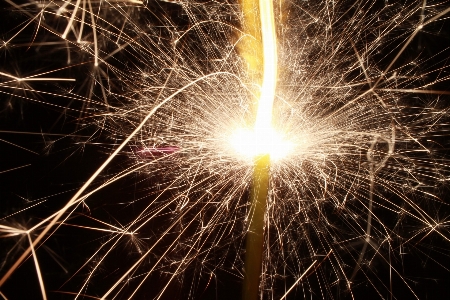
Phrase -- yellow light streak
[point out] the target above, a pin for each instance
(263, 121)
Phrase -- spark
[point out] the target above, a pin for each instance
(12, 169)
(298, 280)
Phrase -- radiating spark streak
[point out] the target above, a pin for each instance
(361, 63)
(156, 151)
(8, 231)
(83, 13)
(139, 261)
(415, 91)
(406, 44)
(35, 100)
(96, 229)
(20, 147)
(117, 50)
(94, 31)
(32, 78)
(121, 232)
(154, 245)
(38, 269)
(37, 29)
(140, 2)
(23, 209)
(298, 280)
(35, 203)
(118, 230)
(12, 169)
(75, 198)
(46, 79)
(62, 8)
(40, 74)
(42, 134)
(97, 251)
(23, 28)
(72, 17)
(10, 76)
(4, 297)
(207, 22)
(36, 43)
(374, 168)
(84, 197)
(77, 294)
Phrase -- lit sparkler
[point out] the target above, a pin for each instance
(261, 136)
(357, 114)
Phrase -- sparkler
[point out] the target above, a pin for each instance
(260, 185)
(167, 86)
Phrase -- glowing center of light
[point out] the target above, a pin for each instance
(248, 143)
(263, 139)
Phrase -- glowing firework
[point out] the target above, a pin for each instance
(167, 93)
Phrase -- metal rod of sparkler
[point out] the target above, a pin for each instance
(255, 234)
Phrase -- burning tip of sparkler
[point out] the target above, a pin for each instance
(251, 143)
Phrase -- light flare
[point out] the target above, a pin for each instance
(251, 143)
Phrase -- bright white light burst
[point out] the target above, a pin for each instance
(249, 144)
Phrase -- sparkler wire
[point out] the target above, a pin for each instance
(255, 234)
